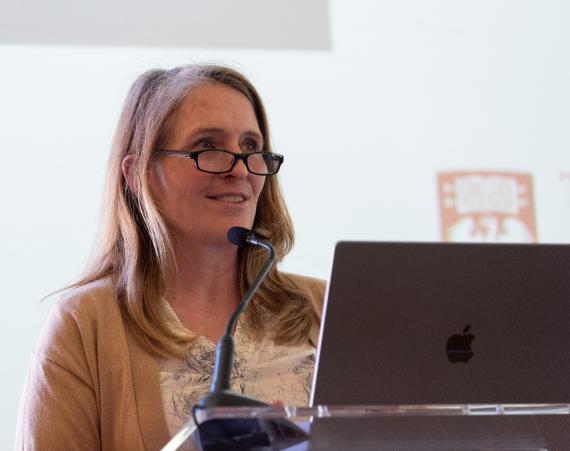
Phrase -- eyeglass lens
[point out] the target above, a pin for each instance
(217, 161)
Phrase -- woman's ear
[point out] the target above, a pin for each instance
(128, 168)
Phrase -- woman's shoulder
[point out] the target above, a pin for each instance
(306, 282)
(314, 287)
(77, 315)
(92, 296)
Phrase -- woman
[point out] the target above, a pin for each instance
(129, 348)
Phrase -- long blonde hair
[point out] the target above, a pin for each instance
(135, 247)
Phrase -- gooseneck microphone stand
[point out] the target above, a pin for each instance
(241, 433)
(220, 391)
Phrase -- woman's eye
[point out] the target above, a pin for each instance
(205, 144)
(251, 146)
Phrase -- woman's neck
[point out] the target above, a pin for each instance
(205, 291)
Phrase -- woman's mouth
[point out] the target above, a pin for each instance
(233, 198)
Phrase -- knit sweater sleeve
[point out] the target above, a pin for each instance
(59, 406)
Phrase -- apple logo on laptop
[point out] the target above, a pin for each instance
(459, 346)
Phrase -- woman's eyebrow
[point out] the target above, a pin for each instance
(206, 130)
(220, 132)
(253, 134)
(189, 139)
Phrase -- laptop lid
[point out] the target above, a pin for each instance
(442, 323)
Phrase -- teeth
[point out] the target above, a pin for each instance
(230, 198)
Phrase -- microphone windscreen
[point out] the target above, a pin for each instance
(237, 235)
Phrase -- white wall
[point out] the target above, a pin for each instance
(412, 88)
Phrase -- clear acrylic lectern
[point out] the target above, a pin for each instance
(521, 427)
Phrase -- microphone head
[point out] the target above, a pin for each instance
(237, 236)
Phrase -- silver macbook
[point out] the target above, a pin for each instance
(442, 323)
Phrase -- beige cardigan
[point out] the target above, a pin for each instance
(91, 385)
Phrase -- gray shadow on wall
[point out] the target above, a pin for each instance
(259, 24)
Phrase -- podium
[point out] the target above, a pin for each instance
(458, 427)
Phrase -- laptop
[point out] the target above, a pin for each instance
(447, 323)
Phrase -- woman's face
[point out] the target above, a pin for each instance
(198, 206)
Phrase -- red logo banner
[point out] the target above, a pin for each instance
(487, 207)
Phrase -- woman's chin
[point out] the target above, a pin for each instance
(217, 236)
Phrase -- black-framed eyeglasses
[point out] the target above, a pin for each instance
(219, 161)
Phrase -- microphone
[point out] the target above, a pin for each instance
(241, 432)
(242, 237)
(239, 235)
(220, 391)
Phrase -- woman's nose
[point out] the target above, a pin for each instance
(240, 169)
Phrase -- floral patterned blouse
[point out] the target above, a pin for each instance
(262, 369)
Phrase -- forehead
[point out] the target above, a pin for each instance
(212, 106)
(216, 100)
